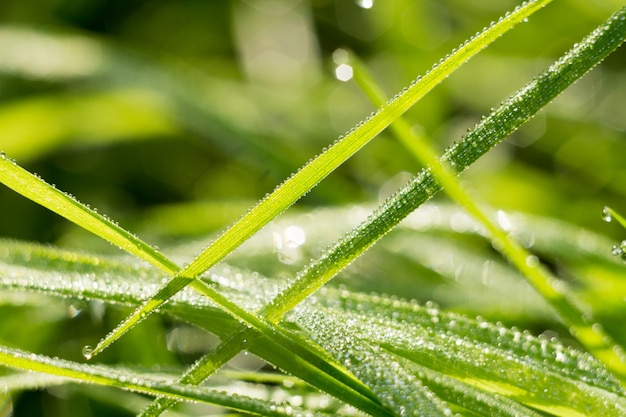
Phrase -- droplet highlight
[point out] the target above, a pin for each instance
(88, 352)
(606, 214)
(344, 72)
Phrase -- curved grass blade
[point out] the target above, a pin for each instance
(451, 350)
(582, 325)
(316, 170)
(469, 398)
(609, 214)
(503, 121)
(81, 276)
(66, 205)
(36, 189)
(490, 131)
(136, 382)
(532, 371)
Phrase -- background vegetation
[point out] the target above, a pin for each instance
(175, 117)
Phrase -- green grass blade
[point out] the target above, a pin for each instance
(66, 274)
(39, 191)
(556, 293)
(312, 173)
(506, 119)
(36, 189)
(461, 360)
(609, 214)
(137, 382)
(532, 371)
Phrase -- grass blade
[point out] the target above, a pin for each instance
(316, 170)
(461, 360)
(556, 293)
(36, 189)
(70, 274)
(137, 382)
(609, 214)
(485, 356)
(490, 131)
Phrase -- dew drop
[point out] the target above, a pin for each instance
(617, 250)
(532, 261)
(365, 4)
(88, 352)
(3, 155)
(606, 214)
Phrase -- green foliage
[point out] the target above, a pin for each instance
(326, 348)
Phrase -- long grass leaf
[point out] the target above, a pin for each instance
(132, 381)
(463, 361)
(485, 356)
(70, 274)
(316, 170)
(50, 197)
(490, 131)
(513, 113)
(557, 294)
(36, 189)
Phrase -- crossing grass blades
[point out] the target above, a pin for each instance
(339, 351)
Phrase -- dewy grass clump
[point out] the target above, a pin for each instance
(341, 349)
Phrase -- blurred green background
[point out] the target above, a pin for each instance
(174, 117)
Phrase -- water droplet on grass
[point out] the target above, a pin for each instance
(87, 352)
(532, 261)
(619, 250)
(606, 214)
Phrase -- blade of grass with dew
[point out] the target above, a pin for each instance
(321, 371)
(420, 331)
(36, 189)
(133, 381)
(520, 107)
(29, 267)
(557, 294)
(609, 214)
(498, 125)
(316, 170)
(530, 370)
(551, 364)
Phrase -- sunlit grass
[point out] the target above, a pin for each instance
(346, 350)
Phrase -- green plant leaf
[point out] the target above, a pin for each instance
(36, 189)
(317, 169)
(388, 343)
(133, 381)
(442, 362)
(504, 120)
(506, 365)
(128, 283)
(559, 296)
